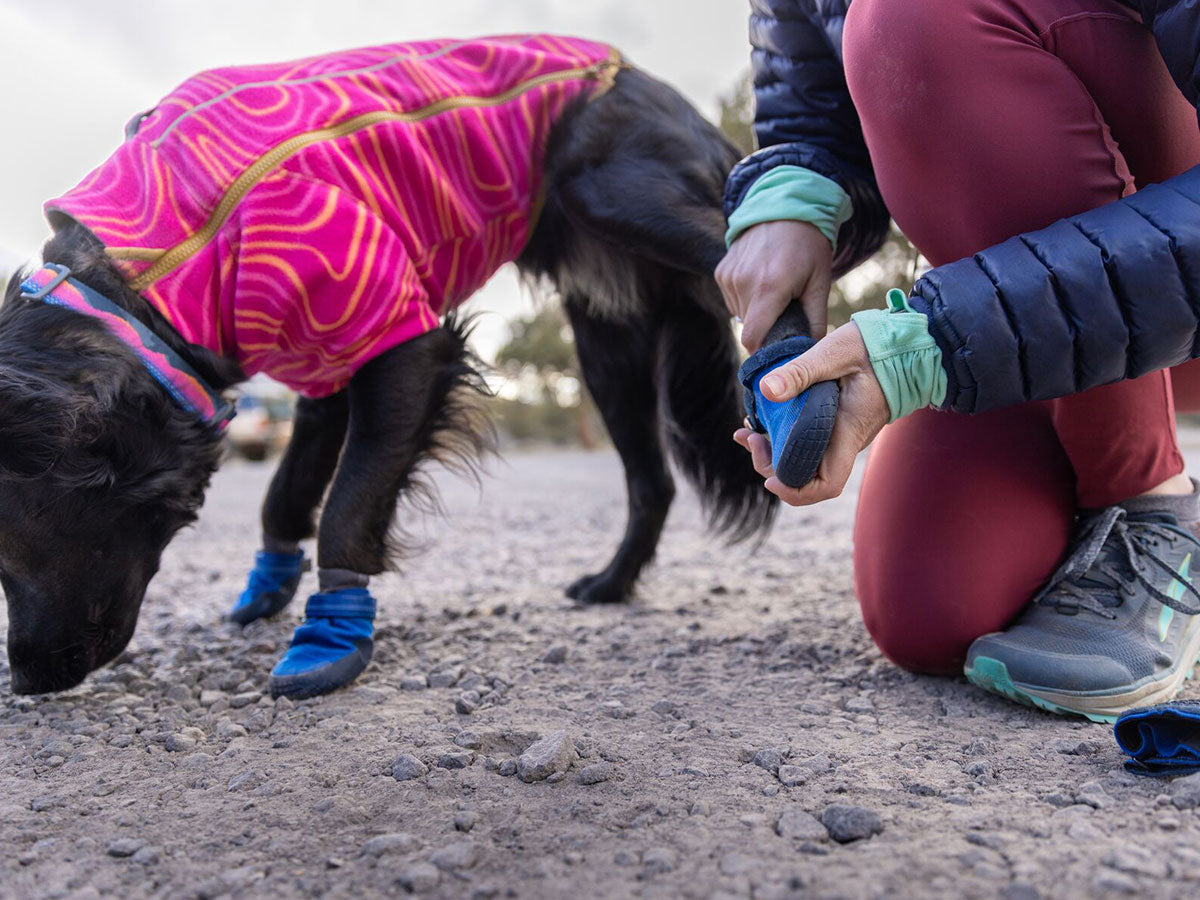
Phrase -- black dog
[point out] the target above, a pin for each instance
(99, 468)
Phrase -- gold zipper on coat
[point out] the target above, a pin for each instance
(604, 71)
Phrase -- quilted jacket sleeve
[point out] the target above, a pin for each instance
(1110, 294)
(804, 115)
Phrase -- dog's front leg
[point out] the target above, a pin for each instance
(402, 405)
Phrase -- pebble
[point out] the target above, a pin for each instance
(468, 739)
(237, 701)
(615, 709)
(455, 760)
(769, 758)
(850, 823)
(396, 842)
(466, 820)
(178, 743)
(414, 683)
(227, 729)
(419, 877)
(456, 856)
(790, 776)
(124, 847)
(445, 678)
(406, 767)
(1093, 795)
(658, 861)
(1185, 792)
(147, 856)
(548, 756)
(507, 768)
(801, 826)
(465, 705)
(556, 654)
(595, 773)
(245, 781)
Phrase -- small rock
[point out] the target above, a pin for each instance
(419, 877)
(666, 709)
(1185, 792)
(769, 758)
(406, 767)
(556, 778)
(147, 856)
(466, 820)
(1134, 859)
(553, 753)
(1093, 795)
(237, 701)
(397, 842)
(244, 781)
(469, 740)
(414, 683)
(790, 776)
(595, 773)
(464, 705)
(615, 709)
(178, 743)
(123, 847)
(227, 729)
(850, 823)
(455, 760)
(459, 855)
(208, 698)
(658, 861)
(556, 654)
(446, 678)
(507, 768)
(859, 705)
(801, 826)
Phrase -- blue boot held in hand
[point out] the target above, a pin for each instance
(1163, 739)
(798, 429)
(273, 583)
(330, 648)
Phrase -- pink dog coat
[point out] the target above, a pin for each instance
(305, 217)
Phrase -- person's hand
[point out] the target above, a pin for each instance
(769, 265)
(862, 411)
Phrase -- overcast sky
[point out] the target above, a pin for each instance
(74, 72)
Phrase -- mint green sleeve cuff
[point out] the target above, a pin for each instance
(904, 356)
(791, 192)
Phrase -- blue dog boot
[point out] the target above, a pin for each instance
(331, 647)
(273, 583)
(799, 428)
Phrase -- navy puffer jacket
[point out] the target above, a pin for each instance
(1109, 294)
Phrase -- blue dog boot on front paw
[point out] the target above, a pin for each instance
(799, 428)
(330, 648)
(273, 583)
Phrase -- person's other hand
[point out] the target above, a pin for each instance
(769, 265)
(862, 412)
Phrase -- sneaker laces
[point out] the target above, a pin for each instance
(1109, 546)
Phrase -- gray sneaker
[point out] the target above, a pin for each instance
(1110, 630)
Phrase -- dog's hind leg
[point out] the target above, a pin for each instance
(318, 431)
(617, 359)
(404, 406)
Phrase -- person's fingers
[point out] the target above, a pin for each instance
(841, 353)
(760, 454)
(815, 302)
(765, 307)
(726, 277)
(741, 436)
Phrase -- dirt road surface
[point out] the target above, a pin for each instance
(704, 742)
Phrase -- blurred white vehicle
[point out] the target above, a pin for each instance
(263, 424)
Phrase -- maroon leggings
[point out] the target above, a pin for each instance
(986, 118)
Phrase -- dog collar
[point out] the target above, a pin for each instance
(53, 284)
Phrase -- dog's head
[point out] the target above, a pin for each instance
(98, 470)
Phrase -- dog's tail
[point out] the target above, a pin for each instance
(700, 407)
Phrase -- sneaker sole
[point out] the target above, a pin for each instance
(992, 675)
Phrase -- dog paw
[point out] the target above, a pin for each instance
(600, 588)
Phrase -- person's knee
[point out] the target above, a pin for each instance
(912, 640)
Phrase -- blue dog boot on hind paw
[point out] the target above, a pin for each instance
(798, 429)
(272, 585)
(330, 648)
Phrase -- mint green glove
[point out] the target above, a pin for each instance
(791, 192)
(907, 362)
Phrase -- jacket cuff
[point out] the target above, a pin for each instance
(794, 193)
(757, 164)
(906, 359)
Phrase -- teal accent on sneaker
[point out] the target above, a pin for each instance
(992, 675)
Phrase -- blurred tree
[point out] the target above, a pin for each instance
(547, 400)
(737, 114)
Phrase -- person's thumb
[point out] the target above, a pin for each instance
(829, 359)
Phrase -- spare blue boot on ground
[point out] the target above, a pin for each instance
(798, 429)
(1161, 740)
(273, 583)
(332, 646)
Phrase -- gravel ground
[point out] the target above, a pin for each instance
(732, 733)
